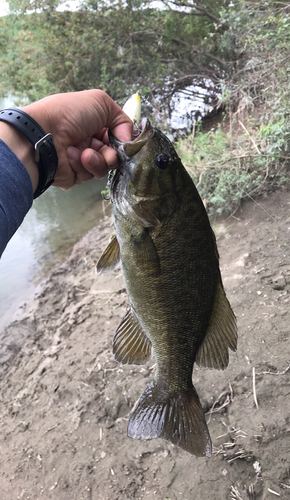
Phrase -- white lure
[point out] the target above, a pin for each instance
(132, 108)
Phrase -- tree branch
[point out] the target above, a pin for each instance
(199, 11)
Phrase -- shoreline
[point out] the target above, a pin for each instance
(65, 402)
(14, 334)
(45, 239)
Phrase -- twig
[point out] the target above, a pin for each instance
(276, 373)
(254, 388)
(274, 492)
(231, 133)
(193, 128)
(239, 454)
(228, 399)
(285, 486)
(235, 494)
(254, 201)
(248, 133)
(199, 180)
(51, 428)
(238, 432)
(251, 492)
(267, 172)
(222, 435)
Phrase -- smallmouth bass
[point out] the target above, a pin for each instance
(170, 263)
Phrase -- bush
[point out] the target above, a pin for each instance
(250, 153)
(227, 167)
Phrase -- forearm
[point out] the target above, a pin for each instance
(16, 194)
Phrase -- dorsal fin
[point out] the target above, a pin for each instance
(131, 345)
(221, 334)
(110, 258)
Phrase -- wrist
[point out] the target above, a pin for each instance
(23, 149)
(42, 144)
(38, 112)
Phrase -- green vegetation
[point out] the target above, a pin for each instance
(249, 153)
(230, 166)
(238, 51)
(118, 46)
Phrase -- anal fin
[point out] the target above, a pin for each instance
(177, 418)
(221, 334)
(110, 259)
(131, 345)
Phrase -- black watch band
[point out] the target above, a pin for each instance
(45, 152)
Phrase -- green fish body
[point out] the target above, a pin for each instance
(169, 259)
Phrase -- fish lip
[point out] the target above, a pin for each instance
(126, 150)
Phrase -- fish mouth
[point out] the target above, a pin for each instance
(127, 150)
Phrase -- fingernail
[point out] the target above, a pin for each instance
(93, 159)
(73, 153)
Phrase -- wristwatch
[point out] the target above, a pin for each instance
(45, 152)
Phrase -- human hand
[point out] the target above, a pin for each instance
(78, 122)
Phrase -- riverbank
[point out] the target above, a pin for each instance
(56, 221)
(65, 402)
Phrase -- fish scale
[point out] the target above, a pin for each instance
(170, 264)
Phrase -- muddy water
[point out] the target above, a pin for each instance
(56, 221)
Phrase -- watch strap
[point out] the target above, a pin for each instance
(45, 152)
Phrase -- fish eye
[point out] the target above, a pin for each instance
(162, 161)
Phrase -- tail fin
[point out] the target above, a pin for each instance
(177, 418)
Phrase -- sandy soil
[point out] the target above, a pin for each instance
(65, 402)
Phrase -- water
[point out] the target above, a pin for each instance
(56, 221)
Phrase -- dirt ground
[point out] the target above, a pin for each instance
(65, 402)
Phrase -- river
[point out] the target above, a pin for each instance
(56, 221)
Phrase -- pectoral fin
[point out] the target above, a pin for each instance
(145, 214)
(110, 258)
(131, 345)
(221, 334)
(153, 212)
(145, 253)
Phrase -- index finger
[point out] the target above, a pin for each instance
(111, 116)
